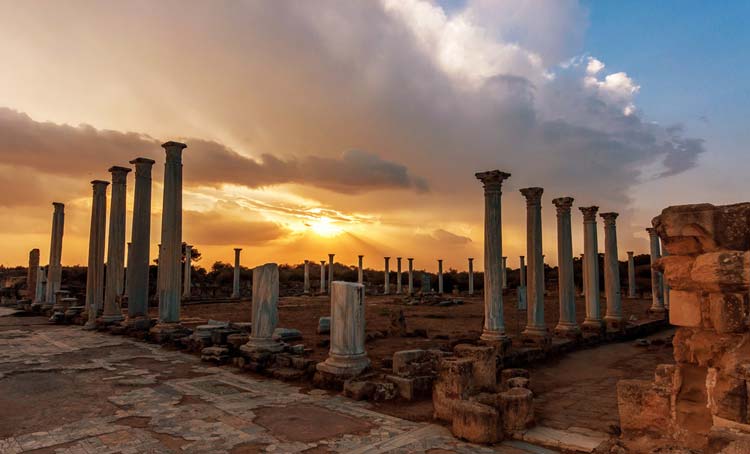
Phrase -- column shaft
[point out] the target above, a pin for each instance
(95, 269)
(116, 246)
(593, 319)
(54, 271)
(140, 238)
(631, 275)
(565, 279)
(236, 274)
(265, 311)
(330, 272)
(188, 271)
(323, 285)
(31, 274)
(360, 270)
(386, 277)
(471, 276)
(504, 271)
(398, 275)
(307, 278)
(440, 277)
(657, 297)
(612, 273)
(411, 276)
(347, 355)
(171, 235)
(535, 312)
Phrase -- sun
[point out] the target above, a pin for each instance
(325, 227)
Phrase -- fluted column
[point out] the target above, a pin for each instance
(504, 271)
(186, 280)
(411, 276)
(265, 310)
(54, 271)
(171, 235)
(31, 274)
(612, 289)
(494, 321)
(535, 312)
(307, 277)
(593, 319)
(566, 284)
(323, 286)
(347, 356)
(631, 275)
(141, 240)
(387, 277)
(471, 276)
(398, 275)
(330, 272)
(440, 276)
(236, 274)
(657, 297)
(95, 269)
(360, 270)
(115, 276)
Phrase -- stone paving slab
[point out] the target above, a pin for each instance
(170, 402)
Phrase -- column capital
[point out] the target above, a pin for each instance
(533, 195)
(119, 174)
(630, 253)
(99, 184)
(398, 258)
(609, 218)
(174, 150)
(410, 259)
(492, 179)
(238, 249)
(330, 256)
(360, 256)
(322, 262)
(58, 205)
(440, 260)
(471, 259)
(387, 258)
(143, 166)
(563, 204)
(306, 262)
(589, 213)
(651, 231)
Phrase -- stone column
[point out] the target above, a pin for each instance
(612, 289)
(398, 275)
(115, 276)
(171, 235)
(386, 277)
(323, 286)
(657, 297)
(593, 319)
(128, 261)
(471, 276)
(95, 269)
(265, 314)
(31, 274)
(307, 277)
(330, 272)
(54, 271)
(522, 283)
(631, 275)
(347, 356)
(186, 280)
(535, 326)
(141, 240)
(360, 270)
(665, 285)
(494, 321)
(504, 271)
(440, 276)
(566, 284)
(583, 275)
(236, 274)
(411, 276)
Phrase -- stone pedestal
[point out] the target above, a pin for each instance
(535, 326)
(386, 277)
(31, 275)
(494, 321)
(115, 277)
(614, 318)
(347, 356)
(567, 326)
(138, 265)
(265, 310)
(54, 270)
(95, 269)
(236, 274)
(593, 321)
(471, 276)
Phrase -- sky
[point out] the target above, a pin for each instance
(356, 127)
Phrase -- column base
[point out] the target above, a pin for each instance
(536, 335)
(592, 326)
(614, 323)
(569, 330)
(344, 365)
(107, 319)
(167, 331)
(235, 296)
(261, 345)
(139, 323)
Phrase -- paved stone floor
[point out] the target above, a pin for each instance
(67, 391)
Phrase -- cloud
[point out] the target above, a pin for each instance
(445, 236)
(215, 228)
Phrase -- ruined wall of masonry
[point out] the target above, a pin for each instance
(701, 401)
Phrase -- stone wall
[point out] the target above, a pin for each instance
(701, 401)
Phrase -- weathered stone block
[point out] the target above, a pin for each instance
(518, 382)
(454, 382)
(677, 269)
(517, 409)
(722, 271)
(358, 390)
(727, 396)
(641, 408)
(412, 388)
(507, 374)
(484, 362)
(728, 312)
(475, 422)
(685, 308)
(409, 363)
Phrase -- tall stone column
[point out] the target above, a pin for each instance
(522, 283)
(504, 271)
(347, 356)
(665, 285)
(54, 271)
(31, 274)
(360, 270)
(583, 275)
(265, 313)
(307, 277)
(535, 326)
(440, 276)
(187, 272)
(657, 297)
(411, 276)
(613, 319)
(141, 239)
(236, 274)
(631, 275)
(115, 276)
(386, 277)
(566, 284)
(593, 319)
(128, 261)
(398, 275)
(494, 321)
(323, 286)
(471, 276)
(95, 269)
(330, 272)
(171, 235)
